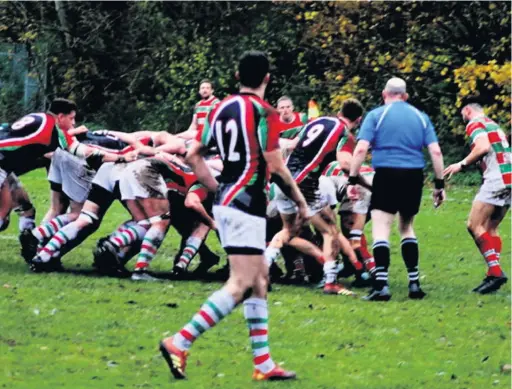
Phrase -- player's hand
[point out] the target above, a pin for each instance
(439, 196)
(78, 130)
(352, 192)
(452, 169)
(303, 214)
(131, 156)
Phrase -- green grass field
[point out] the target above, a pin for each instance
(81, 331)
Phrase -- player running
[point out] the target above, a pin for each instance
(242, 126)
(318, 144)
(490, 146)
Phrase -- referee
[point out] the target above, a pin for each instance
(397, 133)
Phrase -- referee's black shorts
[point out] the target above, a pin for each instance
(397, 190)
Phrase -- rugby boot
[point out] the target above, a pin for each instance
(276, 374)
(491, 284)
(175, 358)
(28, 245)
(415, 292)
(378, 295)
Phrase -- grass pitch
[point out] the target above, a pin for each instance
(81, 331)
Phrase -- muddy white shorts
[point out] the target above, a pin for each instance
(72, 174)
(240, 233)
(142, 180)
(494, 192)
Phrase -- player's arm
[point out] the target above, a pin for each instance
(481, 146)
(357, 161)
(193, 201)
(196, 161)
(282, 177)
(344, 158)
(288, 144)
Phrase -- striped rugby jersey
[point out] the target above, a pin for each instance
(242, 127)
(496, 163)
(292, 129)
(317, 146)
(202, 109)
(26, 140)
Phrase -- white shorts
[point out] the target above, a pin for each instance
(72, 174)
(3, 176)
(108, 175)
(142, 180)
(328, 191)
(272, 210)
(493, 192)
(240, 233)
(362, 205)
(287, 206)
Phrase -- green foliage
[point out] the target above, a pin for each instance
(135, 65)
(78, 331)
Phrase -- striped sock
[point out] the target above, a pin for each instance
(497, 246)
(381, 255)
(487, 246)
(369, 262)
(150, 244)
(63, 236)
(256, 314)
(189, 252)
(127, 233)
(219, 305)
(410, 254)
(355, 235)
(48, 229)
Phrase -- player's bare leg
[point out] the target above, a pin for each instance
(6, 204)
(483, 223)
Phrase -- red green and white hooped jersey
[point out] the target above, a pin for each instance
(333, 169)
(292, 129)
(242, 127)
(495, 164)
(177, 178)
(28, 139)
(202, 109)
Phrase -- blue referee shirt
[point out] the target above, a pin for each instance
(397, 133)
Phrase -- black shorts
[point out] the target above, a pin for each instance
(397, 190)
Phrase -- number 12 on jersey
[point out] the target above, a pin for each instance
(229, 131)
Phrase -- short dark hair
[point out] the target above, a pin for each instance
(206, 81)
(472, 101)
(253, 66)
(60, 105)
(352, 109)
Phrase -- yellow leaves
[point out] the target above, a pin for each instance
(348, 90)
(407, 64)
(444, 71)
(425, 66)
(28, 36)
(310, 15)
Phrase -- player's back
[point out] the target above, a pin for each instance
(238, 126)
(316, 147)
(26, 140)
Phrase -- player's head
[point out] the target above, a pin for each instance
(65, 111)
(352, 110)
(205, 89)
(285, 107)
(253, 68)
(471, 108)
(395, 89)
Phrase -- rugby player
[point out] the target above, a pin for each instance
(317, 146)
(290, 124)
(206, 104)
(242, 126)
(490, 147)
